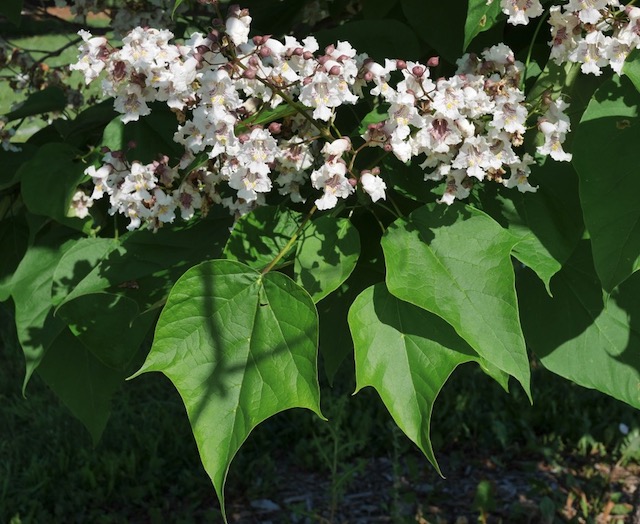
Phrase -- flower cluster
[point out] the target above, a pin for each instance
(261, 112)
(593, 33)
(466, 128)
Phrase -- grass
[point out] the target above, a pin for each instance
(146, 468)
(41, 37)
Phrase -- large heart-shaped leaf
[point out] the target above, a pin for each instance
(455, 262)
(582, 334)
(239, 347)
(406, 354)
(604, 154)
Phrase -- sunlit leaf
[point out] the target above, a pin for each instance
(239, 347)
(455, 262)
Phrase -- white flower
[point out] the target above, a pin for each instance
(374, 186)
(238, 29)
(520, 11)
(331, 177)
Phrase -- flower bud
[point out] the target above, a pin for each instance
(434, 61)
(417, 71)
(275, 128)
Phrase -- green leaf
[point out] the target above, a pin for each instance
(328, 250)
(11, 9)
(378, 9)
(580, 333)
(14, 239)
(378, 114)
(31, 292)
(83, 383)
(45, 101)
(481, 16)
(605, 158)
(50, 179)
(77, 263)
(440, 24)
(175, 7)
(631, 68)
(108, 325)
(547, 223)
(142, 265)
(380, 39)
(11, 162)
(406, 354)
(151, 136)
(239, 347)
(259, 236)
(455, 262)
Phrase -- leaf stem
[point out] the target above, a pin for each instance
(291, 242)
(543, 18)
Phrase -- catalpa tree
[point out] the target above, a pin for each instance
(421, 185)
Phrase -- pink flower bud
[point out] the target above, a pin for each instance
(275, 128)
(401, 64)
(335, 70)
(434, 61)
(417, 71)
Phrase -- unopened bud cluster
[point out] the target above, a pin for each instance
(261, 111)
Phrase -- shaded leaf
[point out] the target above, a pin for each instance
(327, 252)
(14, 238)
(227, 338)
(392, 39)
(547, 223)
(604, 155)
(108, 325)
(37, 328)
(142, 265)
(455, 262)
(50, 179)
(83, 383)
(439, 24)
(258, 237)
(580, 333)
(11, 9)
(45, 101)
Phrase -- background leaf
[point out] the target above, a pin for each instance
(605, 157)
(11, 9)
(580, 333)
(258, 237)
(455, 262)
(327, 252)
(83, 383)
(45, 101)
(227, 337)
(50, 179)
(548, 223)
